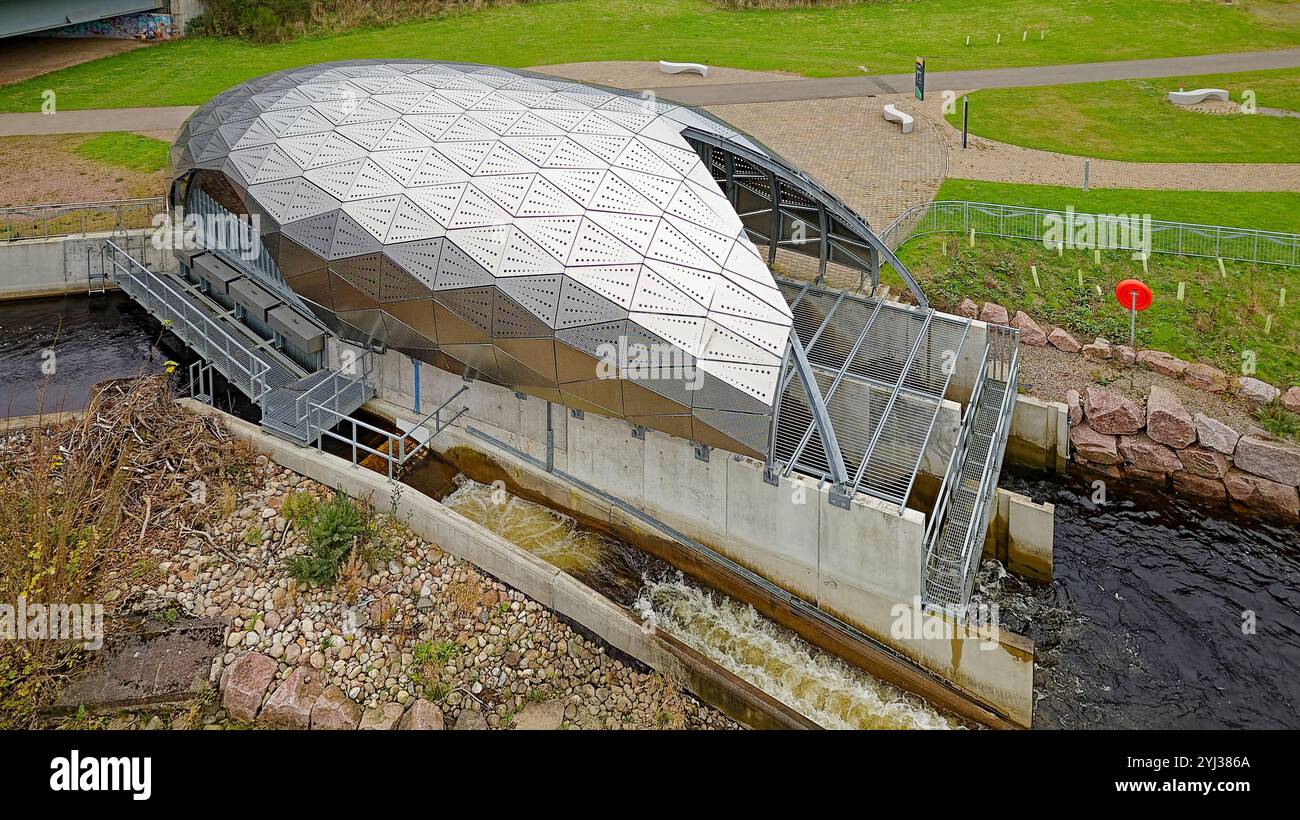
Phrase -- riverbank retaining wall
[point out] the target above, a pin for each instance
(62, 265)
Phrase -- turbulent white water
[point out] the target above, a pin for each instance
(732, 634)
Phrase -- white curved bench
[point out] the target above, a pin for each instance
(901, 117)
(1199, 95)
(683, 68)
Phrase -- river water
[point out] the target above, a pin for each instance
(1142, 626)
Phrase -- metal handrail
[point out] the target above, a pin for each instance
(41, 221)
(1189, 238)
(393, 440)
(955, 460)
(205, 329)
(304, 399)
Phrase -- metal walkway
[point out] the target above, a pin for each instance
(302, 407)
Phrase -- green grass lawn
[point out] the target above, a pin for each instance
(131, 152)
(1218, 320)
(1133, 120)
(834, 41)
(1261, 211)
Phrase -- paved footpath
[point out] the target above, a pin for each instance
(768, 91)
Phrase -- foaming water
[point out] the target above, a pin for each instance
(731, 634)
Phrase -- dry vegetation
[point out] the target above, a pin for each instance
(82, 502)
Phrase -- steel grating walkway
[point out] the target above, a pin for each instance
(295, 405)
(882, 370)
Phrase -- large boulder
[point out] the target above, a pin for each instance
(1162, 363)
(382, 717)
(1271, 459)
(1094, 447)
(1110, 413)
(967, 309)
(289, 706)
(994, 314)
(1168, 422)
(470, 720)
(1204, 462)
(1215, 434)
(1030, 333)
(1254, 390)
(1125, 354)
(1204, 377)
(1148, 456)
(1291, 400)
(423, 715)
(1260, 494)
(1062, 340)
(244, 684)
(1098, 350)
(335, 710)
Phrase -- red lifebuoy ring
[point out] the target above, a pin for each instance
(1126, 290)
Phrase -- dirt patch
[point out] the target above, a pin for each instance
(635, 75)
(25, 57)
(45, 169)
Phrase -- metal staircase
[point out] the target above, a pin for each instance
(954, 538)
(305, 408)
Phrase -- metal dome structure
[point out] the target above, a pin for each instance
(527, 230)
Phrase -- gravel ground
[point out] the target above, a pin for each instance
(44, 169)
(417, 623)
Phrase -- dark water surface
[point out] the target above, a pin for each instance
(1142, 626)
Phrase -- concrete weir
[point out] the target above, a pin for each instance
(537, 579)
(860, 566)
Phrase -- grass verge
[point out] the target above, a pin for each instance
(1221, 320)
(1133, 120)
(1261, 211)
(130, 152)
(883, 37)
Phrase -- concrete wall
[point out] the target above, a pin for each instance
(1021, 535)
(62, 265)
(862, 565)
(1040, 434)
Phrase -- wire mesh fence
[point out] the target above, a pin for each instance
(78, 218)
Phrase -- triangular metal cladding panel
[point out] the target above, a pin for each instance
(350, 239)
(591, 339)
(315, 234)
(538, 355)
(362, 272)
(418, 315)
(715, 394)
(518, 374)
(293, 259)
(346, 296)
(539, 294)
(457, 270)
(512, 320)
(474, 305)
(397, 285)
(400, 335)
(456, 329)
(579, 305)
(419, 258)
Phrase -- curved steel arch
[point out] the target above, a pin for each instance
(782, 177)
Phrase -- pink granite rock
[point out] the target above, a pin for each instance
(1254, 390)
(289, 706)
(1256, 493)
(1215, 434)
(1168, 422)
(1291, 400)
(1030, 333)
(1094, 447)
(1204, 462)
(1125, 354)
(994, 314)
(422, 715)
(968, 309)
(1161, 362)
(1111, 413)
(1061, 340)
(1147, 455)
(244, 684)
(1204, 377)
(1270, 459)
(382, 717)
(1156, 477)
(335, 710)
(1074, 403)
(1099, 350)
(1200, 487)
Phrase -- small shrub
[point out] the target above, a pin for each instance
(335, 529)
